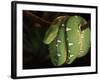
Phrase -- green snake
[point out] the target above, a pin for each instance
(68, 38)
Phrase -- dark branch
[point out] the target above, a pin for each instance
(35, 19)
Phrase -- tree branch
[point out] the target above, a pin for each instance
(35, 19)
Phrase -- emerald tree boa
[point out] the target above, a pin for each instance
(68, 38)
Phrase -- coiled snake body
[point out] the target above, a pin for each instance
(68, 39)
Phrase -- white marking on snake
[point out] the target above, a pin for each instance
(59, 41)
(63, 25)
(78, 31)
(82, 36)
(82, 31)
(79, 42)
(70, 44)
(71, 56)
(76, 16)
(69, 51)
(56, 45)
(68, 29)
(58, 55)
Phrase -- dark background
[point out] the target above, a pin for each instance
(35, 52)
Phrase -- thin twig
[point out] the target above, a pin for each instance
(35, 19)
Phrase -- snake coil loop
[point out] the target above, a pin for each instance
(68, 39)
